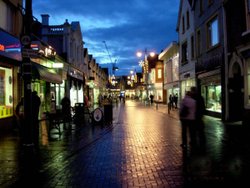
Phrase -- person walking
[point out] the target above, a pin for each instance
(66, 109)
(171, 101)
(36, 102)
(187, 118)
(200, 111)
(175, 100)
(151, 99)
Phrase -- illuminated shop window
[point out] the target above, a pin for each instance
(213, 98)
(6, 92)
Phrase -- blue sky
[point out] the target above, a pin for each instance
(125, 26)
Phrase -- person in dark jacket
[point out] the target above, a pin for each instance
(66, 109)
(200, 111)
(36, 102)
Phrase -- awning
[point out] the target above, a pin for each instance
(46, 74)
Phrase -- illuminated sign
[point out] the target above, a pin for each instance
(10, 46)
(2, 47)
(43, 50)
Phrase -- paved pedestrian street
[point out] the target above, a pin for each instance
(141, 148)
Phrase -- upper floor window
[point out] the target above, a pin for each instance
(198, 42)
(213, 32)
(187, 17)
(192, 47)
(7, 17)
(159, 73)
(183, 24)
(201, 7)
(184, 53)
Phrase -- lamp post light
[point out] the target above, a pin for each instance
(145, 67)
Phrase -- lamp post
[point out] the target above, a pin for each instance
(145, 66)
(27, 129)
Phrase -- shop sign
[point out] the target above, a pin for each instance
(10, 46)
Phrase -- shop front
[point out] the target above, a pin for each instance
(210, 85)
(76, 83)
(47, 77)
(10, 60)
(172, 89)
(46, 81)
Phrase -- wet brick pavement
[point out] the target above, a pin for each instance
(140, 149)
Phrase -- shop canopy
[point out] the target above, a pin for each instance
(46, 74)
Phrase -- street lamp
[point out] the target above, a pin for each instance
(145, 66)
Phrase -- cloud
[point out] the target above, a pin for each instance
(126, 26)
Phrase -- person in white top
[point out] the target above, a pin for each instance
(188, 117)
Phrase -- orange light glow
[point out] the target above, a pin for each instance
(2, 47)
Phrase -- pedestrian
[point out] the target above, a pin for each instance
(187, 117)
(66, 109)
(200, 111)
(175, 100)
(36, 102)
(170, 100)
(151, 98)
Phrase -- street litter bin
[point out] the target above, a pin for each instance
(108, 113)
(79, 112)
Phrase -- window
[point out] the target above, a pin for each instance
(6, 92)
(187, 17)
(192, 47)
(159, 74)
(184, 53)
(7, 17)
(198, 47)
(201, 7)
(213, 32)
(183, 24)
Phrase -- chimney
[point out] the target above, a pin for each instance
(45, 19)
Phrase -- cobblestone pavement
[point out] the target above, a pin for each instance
(140, 149)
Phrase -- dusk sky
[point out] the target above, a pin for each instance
(125, 26)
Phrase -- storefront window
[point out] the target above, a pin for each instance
(6, 92)
(186, 86)
(213, 98)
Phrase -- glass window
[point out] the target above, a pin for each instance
(183, 24)
(188, 24)
(213, 98)
(159, 73)
(213, 32)
(198, 43)
(6, 18)
(184, 53)
(6, 92)
(192, 47)
(201, 7)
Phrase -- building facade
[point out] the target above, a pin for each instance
(186, 39)
(170, 58)
(10, 60)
